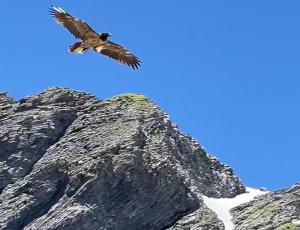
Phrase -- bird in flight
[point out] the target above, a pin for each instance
(90, 39)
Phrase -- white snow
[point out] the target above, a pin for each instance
(221, 206)
(296, 222)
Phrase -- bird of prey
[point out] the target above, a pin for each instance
(90, 39)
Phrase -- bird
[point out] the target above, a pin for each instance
(90, 39)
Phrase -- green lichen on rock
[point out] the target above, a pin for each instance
(273, 210)
(131, 100)
(265, 213)
(129, 97)
(289, 226)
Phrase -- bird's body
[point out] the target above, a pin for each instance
(90, 39)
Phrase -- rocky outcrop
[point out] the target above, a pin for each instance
(203, 218)
(5, 100)
(275, 210)
(29, 127)
(71, 161)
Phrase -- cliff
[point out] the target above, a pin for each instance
(71, 161)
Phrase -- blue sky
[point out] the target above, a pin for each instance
(227, 73)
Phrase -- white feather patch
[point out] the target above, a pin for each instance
(59, 9)
(99, 48)
(78, 50)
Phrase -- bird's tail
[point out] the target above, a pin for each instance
(77, 48)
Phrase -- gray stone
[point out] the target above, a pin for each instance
(28, 128)
(5, 100)
(70, 161)
(202, 219)
(274, 210)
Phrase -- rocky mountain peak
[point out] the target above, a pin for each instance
(71, 161)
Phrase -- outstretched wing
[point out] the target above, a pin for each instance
(118, 53)
(77, 27)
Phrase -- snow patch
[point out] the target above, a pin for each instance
(222, 206)
(296, 223)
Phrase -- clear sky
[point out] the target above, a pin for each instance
(227, 72)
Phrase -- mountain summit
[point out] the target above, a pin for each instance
(71, 161)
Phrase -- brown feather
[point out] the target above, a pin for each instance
(119, 53)
(74, 25)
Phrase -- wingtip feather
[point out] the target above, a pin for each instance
(56, 9)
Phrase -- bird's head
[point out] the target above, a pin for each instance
(104, 36)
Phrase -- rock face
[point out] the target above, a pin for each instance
(29, 127)
(71, 161)
(275, 210)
